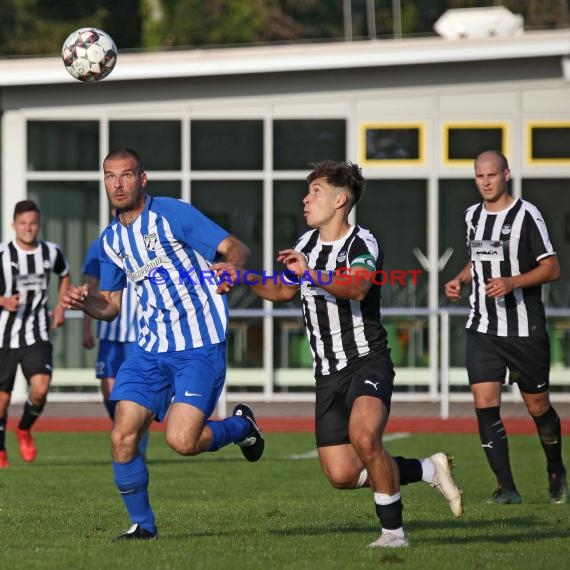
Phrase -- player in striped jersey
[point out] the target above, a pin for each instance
(353, 369)
(510, 258)
(165, 247)
(26, 265)
(116, 339)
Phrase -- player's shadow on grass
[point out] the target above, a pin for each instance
(518, 529)
(324, 530)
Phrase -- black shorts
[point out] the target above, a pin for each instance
(34, 359)
(370, 375)
(527, 358)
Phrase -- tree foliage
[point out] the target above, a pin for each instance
(36, 27)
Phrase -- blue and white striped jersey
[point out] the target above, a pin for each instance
(166, 253)
(125, 327)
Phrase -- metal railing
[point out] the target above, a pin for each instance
(432, 382)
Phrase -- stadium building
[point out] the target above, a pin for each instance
(235, 131)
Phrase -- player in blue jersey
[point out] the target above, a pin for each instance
(116, 339)
(165, 247)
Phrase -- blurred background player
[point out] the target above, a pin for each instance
(26, 265)
(511, 258)
(116, 338)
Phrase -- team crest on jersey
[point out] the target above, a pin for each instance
(342, 256)
(151, 241)
(506, 230)
(47, 264)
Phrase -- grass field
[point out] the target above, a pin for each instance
(217, 511)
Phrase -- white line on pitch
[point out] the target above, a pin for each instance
(314, 453)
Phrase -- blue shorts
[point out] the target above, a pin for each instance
(195, 376)
(110, 356)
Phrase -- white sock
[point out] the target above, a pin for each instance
(382, 499)
(362, 479)
(428, 470)
(395, 531)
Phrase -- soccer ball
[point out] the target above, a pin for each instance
(89, 54)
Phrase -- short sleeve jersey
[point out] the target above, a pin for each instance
(28, 273)
(505, 244)
(341, 330)
(166, 252)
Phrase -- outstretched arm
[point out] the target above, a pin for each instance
(103, 305)
(88, 339)
(236, 254)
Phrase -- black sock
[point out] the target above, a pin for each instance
(3, 422)
(550, 434)
(410, 470)
(390, 516)
(30, 415)
(496, 445)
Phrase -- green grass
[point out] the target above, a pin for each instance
(218, 511)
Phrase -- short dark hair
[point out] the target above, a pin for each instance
(503, 162)
(125, 152)
(25, 206)
(342, 175)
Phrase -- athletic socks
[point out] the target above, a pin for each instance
(389, 511)
(496, 445)
(30, 415)
(228, 430)
(3, 422)
(131, 479)
(550, 434)
(410, 470)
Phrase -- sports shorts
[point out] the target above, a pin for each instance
(110, 355)
(370, 375)
(527, 358)
(34, 359)
(195, 376)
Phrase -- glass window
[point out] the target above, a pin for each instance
(70, 218)
(395, 211)
(386, 143)
(455, 196)
(299, 143)
(157, 142)
(169, 188)
(226, 145)
(288, 221)
(550, 143)
(63, 145)
(466, 142)
(550, 196)
(236, 206)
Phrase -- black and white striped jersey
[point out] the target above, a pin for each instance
(341, 330)
(27, 273)
(504, 244)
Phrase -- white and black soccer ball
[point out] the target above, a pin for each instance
(89, 54)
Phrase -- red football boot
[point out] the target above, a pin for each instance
(27, 445)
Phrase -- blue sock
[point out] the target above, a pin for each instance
(229, 430)
(143, 443)
(132, 481)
